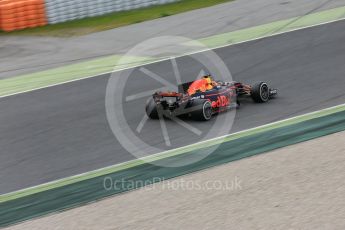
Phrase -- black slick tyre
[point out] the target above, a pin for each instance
(260, 92)
(201, 110)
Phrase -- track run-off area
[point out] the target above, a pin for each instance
(61, 131)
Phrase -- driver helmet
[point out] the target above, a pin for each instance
(209, 81)
(208, 77)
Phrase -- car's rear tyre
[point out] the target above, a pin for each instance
(260, 92)
(151, 109)
(201, 110)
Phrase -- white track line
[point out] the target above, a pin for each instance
(169, 58)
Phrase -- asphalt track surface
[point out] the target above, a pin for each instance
(62, 131)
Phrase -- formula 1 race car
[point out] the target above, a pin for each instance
(202, 104)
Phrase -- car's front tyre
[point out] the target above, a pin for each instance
(260, 92)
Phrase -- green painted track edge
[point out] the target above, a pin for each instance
(84, 192)
(167, 154)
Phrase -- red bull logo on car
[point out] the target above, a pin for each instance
(222, 101)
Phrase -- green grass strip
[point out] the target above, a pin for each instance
(117, 19)
(68, 73)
